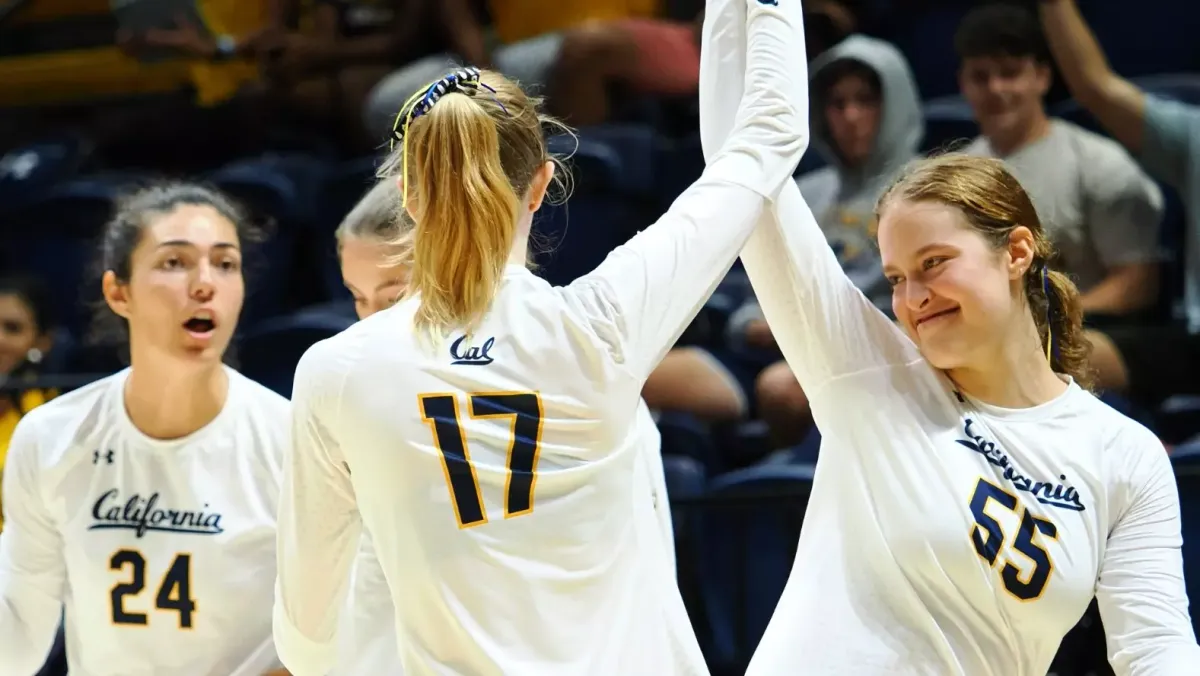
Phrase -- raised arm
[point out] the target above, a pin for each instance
(1140, 590)
(645, 292)
(32, 568)
(823, 325)
(1117, 103)
(319, 526)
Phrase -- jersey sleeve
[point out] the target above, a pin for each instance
(1140, 589)
(822, 323)
(32, 564)
(824, 326)
(641, 298)
(319, 526)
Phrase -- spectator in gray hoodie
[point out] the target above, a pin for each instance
(867, 124)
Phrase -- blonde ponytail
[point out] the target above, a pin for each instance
(465, 212)
(468, 148)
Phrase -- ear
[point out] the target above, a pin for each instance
(116, 294)
(539, 185)
(1022, 250)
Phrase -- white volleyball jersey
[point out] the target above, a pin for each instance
(367, 637)
(656, 479)
(497, 472)
(163, 552)
(943, 536)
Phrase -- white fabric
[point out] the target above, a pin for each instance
(163, 552)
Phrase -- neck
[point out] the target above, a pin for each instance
(164, 402)
(519, 255)
(1004, 144)
(1017, 375)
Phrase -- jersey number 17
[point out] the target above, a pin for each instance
(524, 413)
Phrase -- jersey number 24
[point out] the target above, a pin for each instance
(523, 410)
(174, 592)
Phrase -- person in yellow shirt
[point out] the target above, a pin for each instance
(25, 338)
(575, 51)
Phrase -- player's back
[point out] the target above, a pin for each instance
(496, 473)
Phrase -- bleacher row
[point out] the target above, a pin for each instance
(736, 527)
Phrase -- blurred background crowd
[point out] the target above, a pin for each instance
(287, 106)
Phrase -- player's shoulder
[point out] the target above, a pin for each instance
(1124, 441)
(76, 412)
(72, 420)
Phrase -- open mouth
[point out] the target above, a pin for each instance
(200, 326)
(937, 315)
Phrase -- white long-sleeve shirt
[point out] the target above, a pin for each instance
(367, 637)
(163, 552)
(497, 474)
(945, 536)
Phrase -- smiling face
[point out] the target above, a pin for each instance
(953, 291)
(1005, 93)
(185, 287)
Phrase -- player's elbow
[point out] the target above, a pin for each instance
(300, 655)
(1160, 655)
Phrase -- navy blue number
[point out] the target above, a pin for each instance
(137, 582)
(175, 592)
(440, 411)
(988, 537)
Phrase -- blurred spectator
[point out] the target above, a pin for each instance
(1154, 362)
(26, 328)
(232, 29)
(694, 380)
(575, 51)
(1101, 210)
(866, 123)
(347, 46)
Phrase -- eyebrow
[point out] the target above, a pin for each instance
(389, 282)
(921, 252)
(184, 242)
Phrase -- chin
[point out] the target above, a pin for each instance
(941, 355)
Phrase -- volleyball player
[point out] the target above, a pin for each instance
(146, 501)
(374, 274)
(972, 496)
(483, 429)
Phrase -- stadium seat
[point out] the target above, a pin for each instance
(270, 352)
(679, 163)
(1178, 419)
(948, 123)
(571, 239)
(56, 237)
(635, 146)
(280, 192)
(685, 480)
(1186, 462)
(28, 173)
(686, 435)
(748, 544)
(343, 187)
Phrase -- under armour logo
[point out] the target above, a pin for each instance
(107, 455)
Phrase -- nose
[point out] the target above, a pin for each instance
(202, 287)
(852, 112)
(916, 295)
